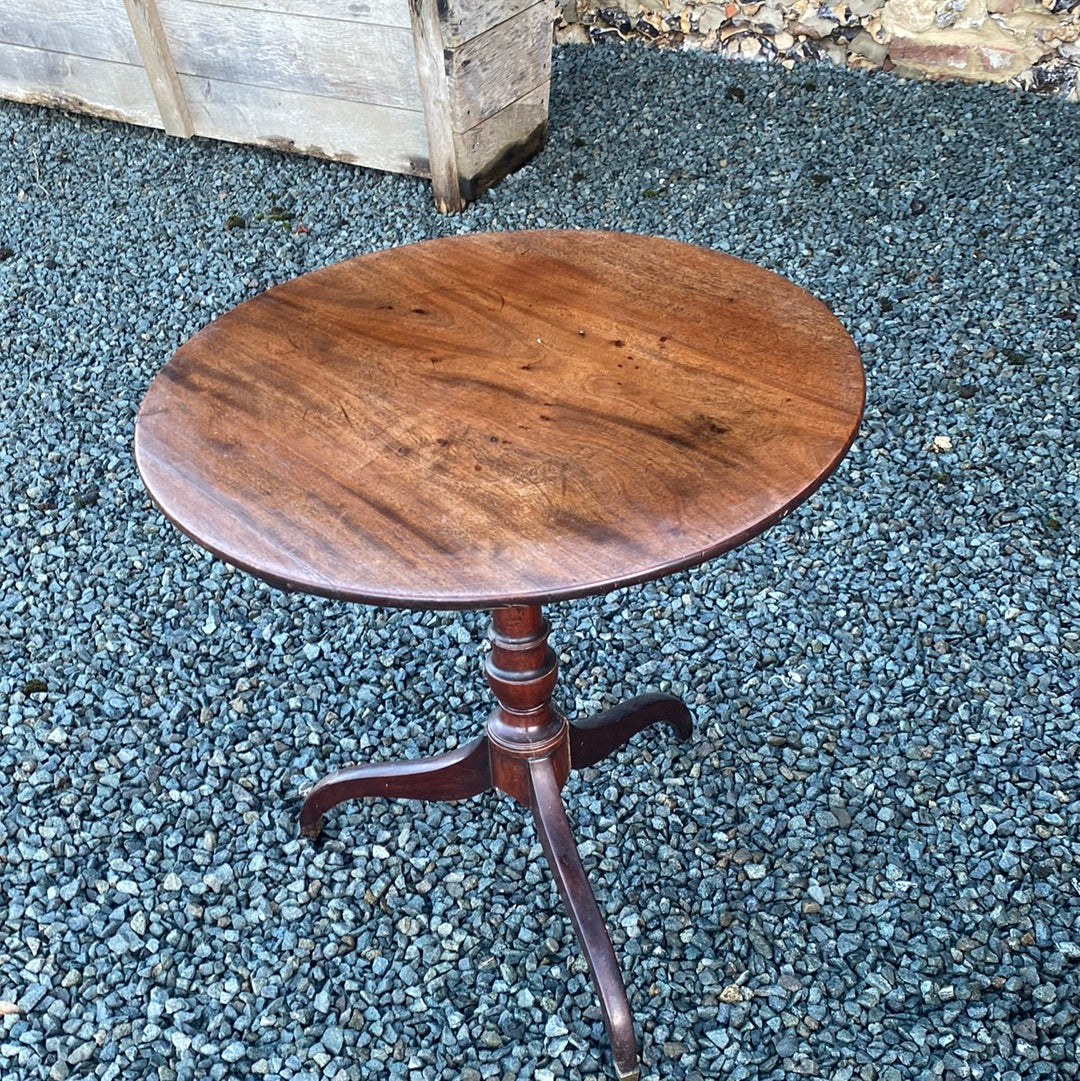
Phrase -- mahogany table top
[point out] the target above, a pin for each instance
(501, 418)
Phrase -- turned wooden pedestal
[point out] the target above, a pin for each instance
(500, 421)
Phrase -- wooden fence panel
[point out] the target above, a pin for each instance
(321, 57)
(502, 65)
(97, 29)
(382, 12)
(377, 136)
(452, 89)
(82, 83)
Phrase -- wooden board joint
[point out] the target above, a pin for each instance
(157, 60)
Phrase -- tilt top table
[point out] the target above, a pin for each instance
(499, 421)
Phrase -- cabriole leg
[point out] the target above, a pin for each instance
(457, 774)
(562, 854)
(594, 739)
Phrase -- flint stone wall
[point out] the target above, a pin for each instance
(1030, 44)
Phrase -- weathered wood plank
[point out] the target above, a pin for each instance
(499, 144)
(383, 12)
(464, 21)
(501, 66)
(376, 136)
(84, 84)
(98, 29)
(157, 59)
(435, 94)
(320, 57)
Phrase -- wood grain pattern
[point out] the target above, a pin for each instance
(464, 21)
(379, 136)
(98, 30)
(323, 57)
(384, 12)
(160, 70)
(502, 142)
(431, 75)
(505, 418)
(100, 87)
(501, 65)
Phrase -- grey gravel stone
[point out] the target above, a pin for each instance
(866, 862)
(83, 1053)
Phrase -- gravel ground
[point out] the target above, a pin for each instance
(867, 862)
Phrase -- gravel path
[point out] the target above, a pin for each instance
(866, 864)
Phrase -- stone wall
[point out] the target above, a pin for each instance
(1030, 44)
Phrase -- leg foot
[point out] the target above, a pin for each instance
(594, 739)
(562, 854)
(457, 774)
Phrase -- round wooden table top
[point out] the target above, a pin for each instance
(501, 418)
